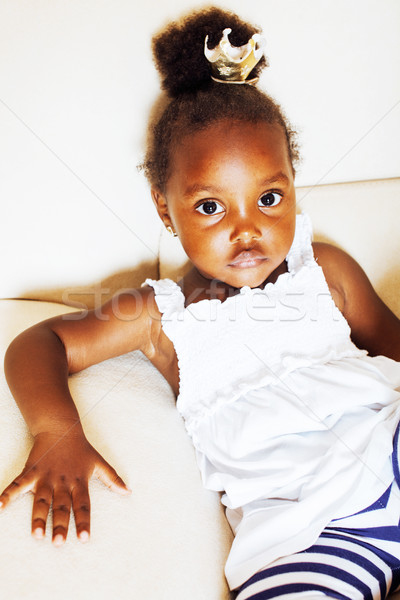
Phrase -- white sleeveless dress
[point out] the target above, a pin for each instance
(290, 420)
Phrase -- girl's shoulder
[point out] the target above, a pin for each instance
(342, 273)
(332, 259)
(373, 326)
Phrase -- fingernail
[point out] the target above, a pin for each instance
(58, 540)
(38, 533)
(84, 536)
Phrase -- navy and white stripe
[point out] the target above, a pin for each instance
(341, 564)
(354, 558)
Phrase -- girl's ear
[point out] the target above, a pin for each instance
(160, 202)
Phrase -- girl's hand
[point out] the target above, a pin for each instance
(57, 471)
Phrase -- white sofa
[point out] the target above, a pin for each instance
(169, 539)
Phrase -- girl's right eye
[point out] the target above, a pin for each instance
(209, 207)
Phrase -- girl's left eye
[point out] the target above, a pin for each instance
(269, 199)
(210, 207)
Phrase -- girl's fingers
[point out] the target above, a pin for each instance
(61, 514)
(81, 508)
(111, 479)
(51, 488)
(40, 510)
(20, 485)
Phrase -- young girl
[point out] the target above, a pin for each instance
(279, 351)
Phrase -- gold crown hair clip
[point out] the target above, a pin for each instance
(232, 64)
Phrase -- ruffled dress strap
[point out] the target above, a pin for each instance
(301, 252)
(168, 296)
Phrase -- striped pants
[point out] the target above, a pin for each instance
(354, 558)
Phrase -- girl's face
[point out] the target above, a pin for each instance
(231, 200)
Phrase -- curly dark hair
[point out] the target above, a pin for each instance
(194, 100)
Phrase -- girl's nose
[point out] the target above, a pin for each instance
(245, 230)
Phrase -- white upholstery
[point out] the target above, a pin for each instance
(169, 540)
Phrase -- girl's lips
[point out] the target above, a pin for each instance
(247, 259)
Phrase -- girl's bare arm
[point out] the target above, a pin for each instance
(37, 365)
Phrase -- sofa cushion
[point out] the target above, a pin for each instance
(169, 539)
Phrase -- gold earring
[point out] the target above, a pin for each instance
(171, 231)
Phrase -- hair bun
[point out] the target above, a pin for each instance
(179, 49)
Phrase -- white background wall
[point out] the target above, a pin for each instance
(76, 86)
